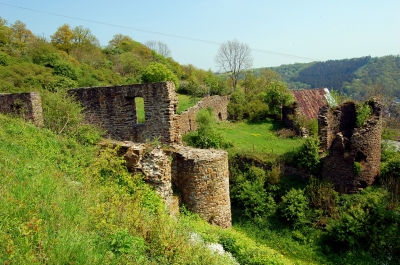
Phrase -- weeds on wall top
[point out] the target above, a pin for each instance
(363, 111)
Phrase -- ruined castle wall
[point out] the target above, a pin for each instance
(348, 147)
(366, 145)
(202, 178)
(187, 119)
(152, 162)
(113, 108)
(331, 121)
(26, 105)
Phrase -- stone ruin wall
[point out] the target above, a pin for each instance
(114, 109)
(26, 105)
(346, 145)
(187, 119)
(200, 176)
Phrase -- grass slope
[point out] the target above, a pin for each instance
(64, 203)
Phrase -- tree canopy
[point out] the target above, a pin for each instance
(233, 58)
(157, 72)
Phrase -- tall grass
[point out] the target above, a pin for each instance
(61, 204)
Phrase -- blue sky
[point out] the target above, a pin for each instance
(280, 32)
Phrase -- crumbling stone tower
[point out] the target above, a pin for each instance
(353, 155)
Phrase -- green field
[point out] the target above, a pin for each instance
(257, 138)
(185, 102)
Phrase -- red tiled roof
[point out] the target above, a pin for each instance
(309, 101)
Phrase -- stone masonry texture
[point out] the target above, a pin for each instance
(113, 108)
(26, 105)
(200, 176)
(347, 146)
(187, 119)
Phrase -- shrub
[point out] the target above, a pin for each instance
(392, 169)
(286, 133)
(357, 168)
(308, 155)
(206, 135)
(364, 111)
(294, 207)
(249, 193)
(322, 195)
(65, 69)
(236, 105)
(63, 115)
(366, 224)
(157, 72)
(47, 59)
(4, 59)
(274, 174)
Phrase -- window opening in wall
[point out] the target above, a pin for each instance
(140, 114)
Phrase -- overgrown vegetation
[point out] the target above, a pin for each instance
(364, 111)
(259, 97)
(206, 135)
(64, 201)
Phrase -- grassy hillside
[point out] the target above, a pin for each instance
(66, 203)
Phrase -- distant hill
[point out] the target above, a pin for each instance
(350, 76)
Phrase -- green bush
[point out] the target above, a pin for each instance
(364, 111)
(365, 224)
(206, 136)
(308, 155)
(357, 168)
(157, 72)
(249, 193)
(47, 59)
(322, 196)
(63, 115)
(64, 69)
(294, 207)
(4, 59)
(392, 168)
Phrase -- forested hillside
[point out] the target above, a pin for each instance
(73, 57)
(350, 76)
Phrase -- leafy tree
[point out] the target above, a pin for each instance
(83, 36)
(157, 72)
(62, 38)
(20, 35)
(194, 89)
(4, 31)
(233, 58)
(131, 64)
(276, 96)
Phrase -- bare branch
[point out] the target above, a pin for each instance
(233, 58)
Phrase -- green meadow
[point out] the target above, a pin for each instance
(257, 139)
